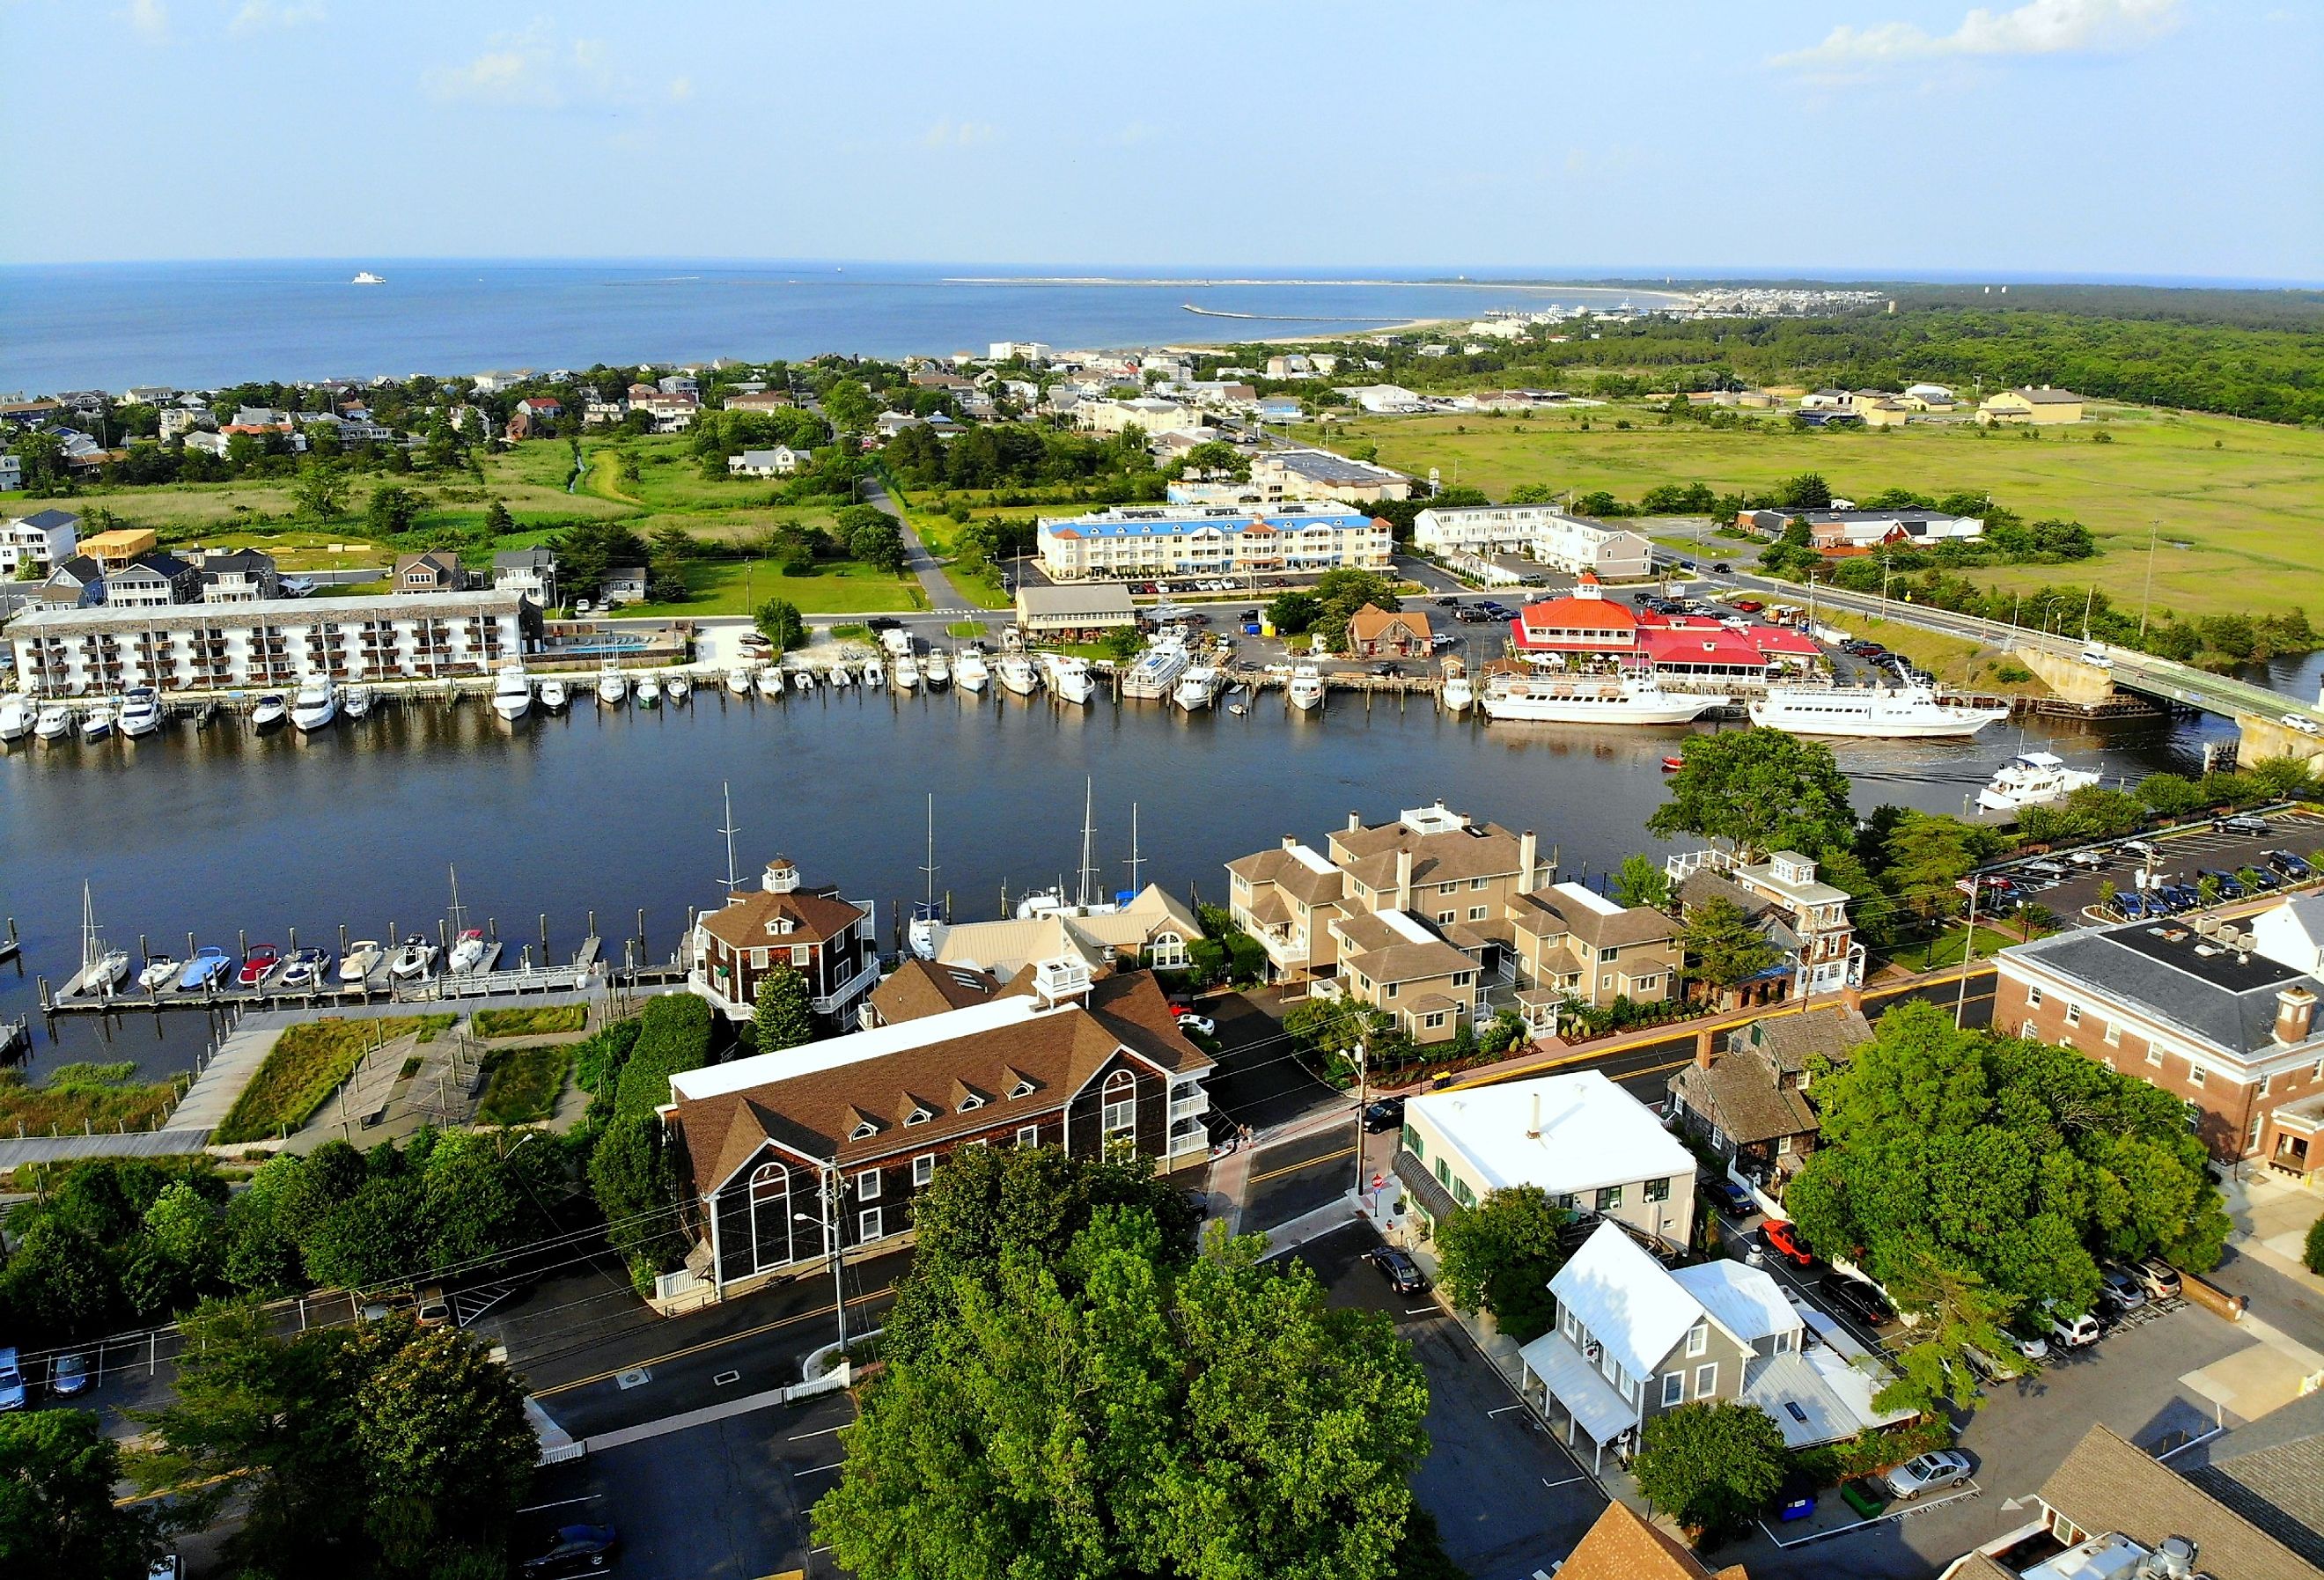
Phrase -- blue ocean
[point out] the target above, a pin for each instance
(199, 325)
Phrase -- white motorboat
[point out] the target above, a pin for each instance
(937, 672)
(802, 680)
(54, 723)
(140, 712)
(100, 967)
(553, 696)
(317, 706)
(738, 681)
(368, 277)
(678, 689)
(770, 681)
(468, 951)
(612, 686)
(841, 675)
(304, 970)
(1457, 695)
(970, 671)
(361, 959)
(874, 676)
(1305, 688)
(511, 692)
(16, 713)
(1593, 700)
(160, 972)
(412, 960)
(1070, 680)
(908, 673)
(1197, 689)
(1017, 674)
(1158, 668)
(354, 702)
(1880, 712)
(97, 722)
(649, 692)
(270, 713)
(2032, 778)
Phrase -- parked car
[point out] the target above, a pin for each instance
(2120, 1290)
(1750, 605)
(2073, 1332)
(1778, 1236)
(2285, 865)
(1403, 1274)
(2141, 849)
(12, 1381)
(2264, 881)
(1722, 567)
(2129, 907)
(1387, 672)
(1928, 1472)
(2032, 1345)
(1190, 1021)
(1388, 1113)
(69, 1375)
(1448, 603)
(2158, 1278)
(433, 1310)
(2229, 886)
(2240, 823)
(2183, 896)
(1858, 1300)
(1730, 1196)
(2089, 860)
(572, 1549)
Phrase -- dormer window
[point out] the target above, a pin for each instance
(918, 1116)
(971, 1101)
(863, 1131)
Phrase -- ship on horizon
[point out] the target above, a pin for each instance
(368, 277)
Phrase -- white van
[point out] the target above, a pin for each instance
(2073, 1332)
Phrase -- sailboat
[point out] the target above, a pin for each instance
(468, 950)
(101, 969)
(1052, 902)
(924, 934)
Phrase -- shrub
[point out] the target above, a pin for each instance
(2311, 1254)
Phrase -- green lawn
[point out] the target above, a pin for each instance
(1945, 949)
(538, 1021)
(307, 1064)
(730, 586)
(2240, 505)
(522, 1084)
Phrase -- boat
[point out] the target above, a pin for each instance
(649, 692)
(553, 696)
(511, 692)
(971, 671)
(1069, 678)
(159, 973)
(317, 706)
(937, 672)
(1672, 765)
(908, 673)
(1052, 901)
(841, 675)
(923, 935)
(140, 711)
(1197, 689)
(801, 680)
(1880, 712)
(1305, 688)
(209, 964)
(412, 960)
(874, 677)
(1593, 700)
(2032, 778)
(304, 970)
(270, 713)
(467, 951)
(101, 969)
(1158, 668)
(15, 717)
(97, 722)
(1458, 694)
(770, 681)
(612, 686)
(1237, 708)
(367, 278)
(678, 689)
(54, 723)
(258, 965)
(1017, 674)
(361, 959)
(738, 681)
(356, 701)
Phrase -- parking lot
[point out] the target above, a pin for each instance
(2181, 856)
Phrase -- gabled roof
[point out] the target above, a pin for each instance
(919, 988)
(816, 915)
(2270, 1471)
(1299, 872)
(1627, 1301)
(1833, 1031)
(1568, 908)
(1395, 945)
(1624, 1545)
(2106, 1483)
(1739, 1094)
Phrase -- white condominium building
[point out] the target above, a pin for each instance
(1143, 540)
(1541, 531)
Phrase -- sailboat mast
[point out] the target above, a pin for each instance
(727, 796)
(459, 910)
(1089, 791)
(1136, 862)
(929, 867)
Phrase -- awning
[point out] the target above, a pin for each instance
(1579, 1387)
(1424, 1187)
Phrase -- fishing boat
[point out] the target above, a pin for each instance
(304, 970)
(54, 723)
(1084, 902)
(678, 689)
(908, 673)
(354, 702)
(1305, 688)
(412, 960)
(938, 670)
(209, 962)
(2032, 778)
(770, 681)
(1457, 693)
(970, 671)
(649, 692)
(511, 692)
(15, 717)
(101, 969)
(467, 951)
(1876, 712)
(841, 675)
(553, 697)
(1593, 700)
(738, 680)
(874, 676)
(1158, 668)
(159, 973)
(1197, 689)
(270, 713)
(612, 686)
(1017, 674)
(140, 712)
(1069, 678)
(315, 707)
(361, 959)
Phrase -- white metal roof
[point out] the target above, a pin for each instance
(1565, 1134)
(1627, 1299)
(1746, 1300)
(852, 1047)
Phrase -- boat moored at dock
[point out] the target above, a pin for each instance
(270, 713)
(612, 686)
(1156, 673)
(649, 692)
(363, 957)
(1305, 688)
(16, 715)
(679, 690)
(1197, 689)
(97, 722)
(1624, 698)
(971, 671)
(1070, 680)
(315, 707)
(354, 702)
(1017, 674)
(202, 972)
(54, 721)
(1874, 712)
(937, 672)
(140, 712)
(511, 692)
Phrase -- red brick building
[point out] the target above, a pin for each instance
(832, 942)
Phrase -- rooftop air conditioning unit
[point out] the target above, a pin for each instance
(2173, 1558)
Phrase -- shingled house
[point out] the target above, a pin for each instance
(780, 1152)
(1748, 1103)
(830, 941)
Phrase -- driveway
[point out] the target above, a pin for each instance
(943, 598)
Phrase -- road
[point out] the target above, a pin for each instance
(944, 598)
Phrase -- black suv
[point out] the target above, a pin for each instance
(1857, 1299)
(1388, 1113)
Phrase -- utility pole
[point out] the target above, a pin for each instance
(1363, 1101)
(1969, 952)
(838, 1259)
(2153, 532)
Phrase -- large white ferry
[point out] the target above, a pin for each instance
(1157, 670)
(1593, 700)
(2032, 778)
(1902, 713)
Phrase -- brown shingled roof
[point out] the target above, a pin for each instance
(1547, 913)
(917, 988)
(816, 915)
(2108, 1484)
(1623, 1545)
(1483, 850)
(1739, 1096)
(1289, 874)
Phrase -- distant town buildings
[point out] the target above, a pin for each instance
(1147, 540)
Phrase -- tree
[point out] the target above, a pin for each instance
(498, 523)
(1501, 1254)
(1639, 881)
(781, 1017)
(778, 621)
(1713, 1465)
(2285, 776)
(57, 1521)
(1926, 855)
(1722, 945)
(878, 545)
(850, 406)
(1339, 594)
(1216, 456)
(391, 511)
(321, 493)
(447, 1451)
(588, 550)
(1293, 613)
(2312, 1250)
(1761, 791)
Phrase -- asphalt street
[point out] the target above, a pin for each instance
(1299, 1175)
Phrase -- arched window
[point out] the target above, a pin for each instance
(1118, 1128)
(771, 1217)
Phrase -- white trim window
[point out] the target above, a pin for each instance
(1118, 1123)
(1698, 1339)
(867, 1224)
(1706, 1380)
(1673, 1389)
(1028, 1136)
(924, 1168)
(867, 1186)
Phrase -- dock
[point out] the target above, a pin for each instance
(79, 996)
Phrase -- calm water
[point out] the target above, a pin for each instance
(201, 325)
(220, 832)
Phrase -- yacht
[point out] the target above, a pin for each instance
(874, 677)
(511, 692)
(361, 959)
(1069, 678)
(54, 723)
(1158, 668)
(1305, 689)
(678, 689)
(1904, 713)
(1593, 700)
(270, 713)
(2032, 778)
(412, 960)
(160, 972)
(468, 951)
(368, 277)
(612, 686)
(970, 671)
(356, 701)
(937, 672)
(770, 681)
(15, 717)
(908, 673)
(553, 696)
(1197, 689)
(317, 706)
(140, 711)
(97, 722)
(649, 692)
(1017, 674)
(738, 681)
(209, 962)
(1458, 693)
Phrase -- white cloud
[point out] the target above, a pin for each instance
(948, 134)
(2038, 27)
(151, 19)
(532, 70)
(258, 15)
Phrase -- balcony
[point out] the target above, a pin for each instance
(848, 992)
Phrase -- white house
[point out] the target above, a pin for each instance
(1147, 413)
(778, 462)
(1383, 399)
(1541, 531)
(45, 538)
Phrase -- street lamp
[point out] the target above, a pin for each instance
(831, 1188)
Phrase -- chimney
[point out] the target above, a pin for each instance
(2295, 1016)
(1404, 880)
(1532, 1130)
(1290, 840)
(1528, 857)
(1703, 1052)
(1355, 822)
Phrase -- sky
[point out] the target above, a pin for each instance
(2054, 138)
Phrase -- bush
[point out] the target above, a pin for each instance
(2311, 1254)
(1870, 1451)
(1713, 1465)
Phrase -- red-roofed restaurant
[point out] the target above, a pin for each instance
(1585, 622)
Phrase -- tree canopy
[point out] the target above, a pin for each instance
(1711, 1465)
(1761, 791)
(1501, 1254)
(1339, 594)
(57, 1521)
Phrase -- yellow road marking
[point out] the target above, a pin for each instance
(1296, 1168)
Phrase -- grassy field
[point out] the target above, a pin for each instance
(102, 1097)
(307, 1064)
(2240, 505)
(1945, 949)
(730, 586)
(522, 1084)
(1953, 660)
(539, 1021)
